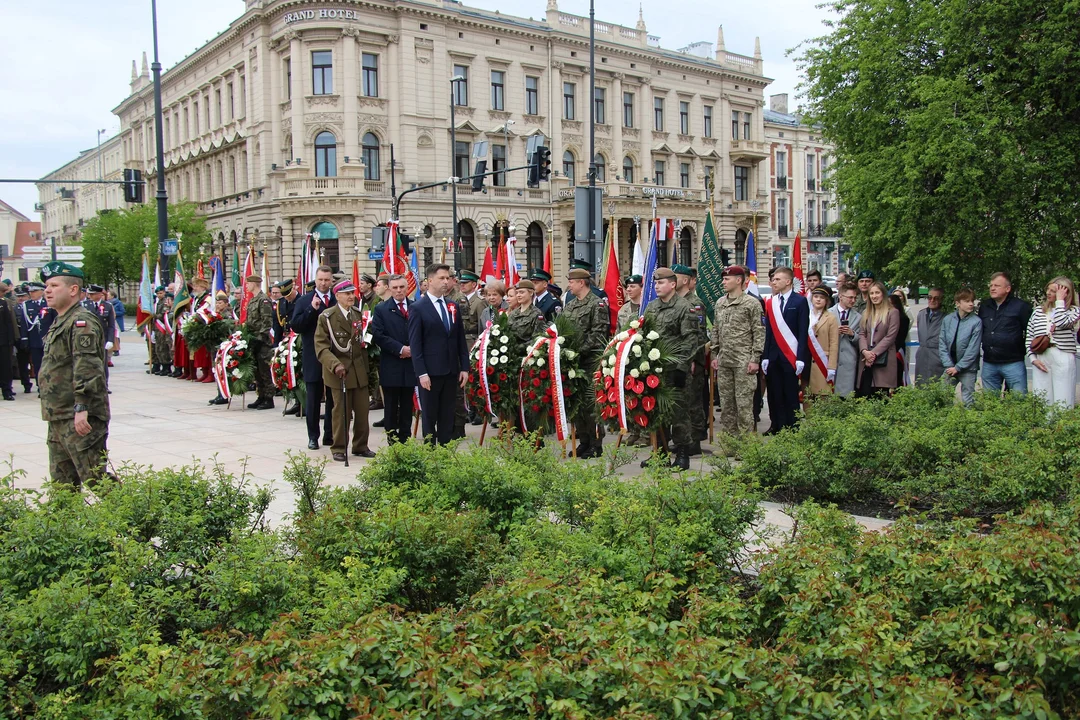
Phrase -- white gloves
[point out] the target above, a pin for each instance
(831, 376)
(108, 346)
(799, 367)
(765, 366)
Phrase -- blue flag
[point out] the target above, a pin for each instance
(414, 264)
(648, 289)
(218, 272)
(751, 263)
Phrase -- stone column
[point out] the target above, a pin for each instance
(350, 89)
(300, 70)
(616, 127)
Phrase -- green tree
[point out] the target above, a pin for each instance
(956, 126)
(113, 240)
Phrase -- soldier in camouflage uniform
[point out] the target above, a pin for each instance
(697, 388)
(257, 322)
(631, 308)
(471, 307)
(591, 318)
(737, 340)
(163, 354)
(525, 322)
(74, 399)
(675, 321)
(367, 299)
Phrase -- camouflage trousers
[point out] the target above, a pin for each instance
(736, 390)
(264, 382)
(682, 426)
(696, 389)
(163, 353)
(76, 459)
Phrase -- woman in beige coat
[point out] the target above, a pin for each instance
(881, 325)
(826, 329)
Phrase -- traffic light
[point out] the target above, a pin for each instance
(725, 256)
(534, 170)
(478, 175)
(406, 242)
(543, 163)
(133, 186)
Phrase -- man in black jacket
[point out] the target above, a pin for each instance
(1004, 324)
(391, 334)
(305, 318)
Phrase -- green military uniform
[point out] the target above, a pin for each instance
(591, 318)
(628, 312)
(257, 322)
(697, 387)
(73, 374)
(163, 354)
(524, 323)
(676, 322)
(337, 342)
(737, 339)
(368, 302)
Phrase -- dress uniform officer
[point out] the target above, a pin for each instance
(106, 315)
(33, 318)
(673, 319)
(545, 302)
(340, 347)
(9, 339)
(257, 323)
(591, 318)
(737, 340)
(631, 307)
(74, 398)
(22, 344)
(697, 385)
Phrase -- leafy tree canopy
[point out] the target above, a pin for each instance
(957, 130)
(113, 240)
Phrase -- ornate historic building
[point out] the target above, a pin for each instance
(65, 208)
(283, 125)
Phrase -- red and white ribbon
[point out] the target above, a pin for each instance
(817, 352)
(622, 357)
(558, 401)
(533, 350)
(782, 334)
(290, 364)
(481, 354)
(221, 371)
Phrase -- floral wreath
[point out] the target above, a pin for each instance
(629, 383)
(552, 385)
(234, 366)
(492, 364)
(205, 328)
(286, 367)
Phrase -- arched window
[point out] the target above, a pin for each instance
(328, 243)
(534, 247)
(325, 155)
(628, 169)
(686, 252)
(468, 245)
(740, 247)
(370, 148)
(601, 168)
(568, 166)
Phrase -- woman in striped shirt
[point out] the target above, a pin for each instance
(1054, 376)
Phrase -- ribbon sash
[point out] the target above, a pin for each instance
(521, 380)
(290, 365)
(558, 402)
(817, 352)
(221, 372)
(622, 357)
(481, 353)
(782, 335)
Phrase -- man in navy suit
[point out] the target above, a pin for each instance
(439, 356)
(390, 329)
(305, 318)
(786, 350)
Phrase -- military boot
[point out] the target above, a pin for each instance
(682, 458)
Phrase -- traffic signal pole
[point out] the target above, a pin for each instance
(162, 196)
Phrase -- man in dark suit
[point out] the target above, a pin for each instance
(390, 330)
(787, 353)
(439, 356)
(305, 318)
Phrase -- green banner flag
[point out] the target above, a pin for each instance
(181, 298)
(710, 267)
(236, 270)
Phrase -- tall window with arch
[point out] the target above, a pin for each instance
(568, 166)
(686, 247)
(601, 168)
(370, 153)
(468, 245)
(534, 247)
(628, 169)
(325, 154)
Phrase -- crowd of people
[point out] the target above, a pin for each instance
(378, 345)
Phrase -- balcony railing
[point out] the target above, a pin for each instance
(810, 183)
(781, 231)
(781, 183)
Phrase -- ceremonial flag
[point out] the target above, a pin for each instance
(796, 264)
(265, 273)
(751, 263)
(415, 261)
(356, 273)
(236, 269)
(637, 267)
(144, 311)
(549, 262)
(710, 266)
(392, 260)
(487, 273)
(512, 276)
(181, 298)
(157, 274)
(249, 270)
(648, 290)
(611, 278)
(218, 272)
(500, 263)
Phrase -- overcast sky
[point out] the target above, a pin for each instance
(67, 63)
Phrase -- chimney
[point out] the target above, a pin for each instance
(778, 103)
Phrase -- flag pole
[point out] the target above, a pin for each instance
(710, 188)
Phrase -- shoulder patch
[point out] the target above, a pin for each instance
(85, 342)
(80, 323)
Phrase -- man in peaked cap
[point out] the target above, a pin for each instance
(106, 314)
(545, 302)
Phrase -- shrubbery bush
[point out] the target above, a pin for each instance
(920, 449)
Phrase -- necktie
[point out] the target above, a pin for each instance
(404, 312)
(843, 316)
(445, 317)
(781, 303)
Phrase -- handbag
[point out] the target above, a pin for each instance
(1039, 344)
(881, 360)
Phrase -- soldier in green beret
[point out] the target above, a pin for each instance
(472, 306)
(590, 316)
(631, 309)
(258, 323)
(697, 387)
(74, 397)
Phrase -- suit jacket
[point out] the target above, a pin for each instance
(434, 351)
(797, 316)
(848, 356)
(390, 330)
(884, 335)
(827, 330)
(304, 319)
(337, 341)
(928, 367)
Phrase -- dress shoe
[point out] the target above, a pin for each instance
(328, 440)
(364, 454)
(312, 444)
(379, 423)
(26, 389)
(218, 401)
(291, 408)
(9, 397)
(339, 457)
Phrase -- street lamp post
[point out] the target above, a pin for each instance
(453, 164)
(159, 137)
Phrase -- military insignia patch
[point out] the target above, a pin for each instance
(80, 323)
(85, 342)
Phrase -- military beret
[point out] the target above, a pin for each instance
(345, 286)
(285, 286)
(680, 270)
(633, 280)
(524, 284)
(6, 281)
(468, 276)
(554, 289)
(540, 275)
(34, 285)
(221, 295)
(822, 290)
(169, 294)
(866, 275)
(367, 278)
(583, 264)
(254, 279)
(663, 273)
(94, 288)
(56, 268)
(579, 274)
(21, 291)
(159, 288)
(731, 270)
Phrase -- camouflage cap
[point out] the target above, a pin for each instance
(56, 268)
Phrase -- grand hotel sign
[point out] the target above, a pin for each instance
(321, 14)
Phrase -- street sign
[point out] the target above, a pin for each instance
(38, 264)
(374, 256)
(170, 247)
(63, 252)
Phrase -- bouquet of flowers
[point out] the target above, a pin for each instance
(493, 368)
(286, 367)
(205, 331)
(234, 366)
(629, 384)
(552, 384)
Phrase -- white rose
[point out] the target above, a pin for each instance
(609, 372)
(236, 373)
(504, 346)
(654, 354)
(503, 359)
(622, 336)
(637, 351)
(634, 373)
(571, 373)
(560, 340)
(493, 361)
(653, 335)
(495, 331)
(658, 370)
(635, 324)
(539, 362)
(644, 366)
(569, 354)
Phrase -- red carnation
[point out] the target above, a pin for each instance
(652, 381)
(641, 420)
(648, 404)
(502, 376)
(632, 403)
(493, 387)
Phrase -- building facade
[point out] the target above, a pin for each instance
(16, 232)
(66, 206)
(802, 198)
